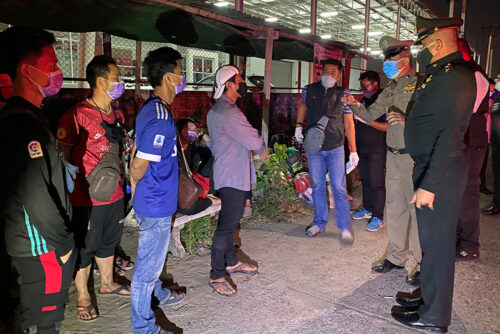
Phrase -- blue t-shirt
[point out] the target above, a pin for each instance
(156, 194)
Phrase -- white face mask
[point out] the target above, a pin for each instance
(497, 86)
(327, 81)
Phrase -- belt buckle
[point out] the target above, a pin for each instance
(394, 150)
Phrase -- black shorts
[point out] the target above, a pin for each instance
(97, 231)
(44, 283)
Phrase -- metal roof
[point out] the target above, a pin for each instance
(336, 18)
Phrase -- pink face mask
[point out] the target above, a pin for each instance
(55, 82)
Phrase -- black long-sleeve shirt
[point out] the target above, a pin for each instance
(34, 203)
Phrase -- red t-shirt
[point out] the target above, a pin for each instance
(80, 128)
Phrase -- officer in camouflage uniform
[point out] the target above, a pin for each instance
(400, 214)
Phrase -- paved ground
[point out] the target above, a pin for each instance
(307, 285)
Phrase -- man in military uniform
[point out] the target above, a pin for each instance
(434, 137)
(394, 100)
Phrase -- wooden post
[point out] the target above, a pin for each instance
(347, 70)
(106, 44)
(267, 84)
(138, 65)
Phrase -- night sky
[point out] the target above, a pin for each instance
(479, 13)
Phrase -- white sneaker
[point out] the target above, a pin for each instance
(347, 237)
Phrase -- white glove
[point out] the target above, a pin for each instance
(298, 134)
(359, 119)
(354, 158)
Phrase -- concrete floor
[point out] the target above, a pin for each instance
(307, 285)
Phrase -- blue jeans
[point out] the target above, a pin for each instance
(154, 234)
(334, 160)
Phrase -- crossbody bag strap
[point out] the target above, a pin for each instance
(184, 160)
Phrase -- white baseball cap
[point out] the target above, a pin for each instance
(222, 75)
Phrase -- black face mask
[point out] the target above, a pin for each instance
(242, 89)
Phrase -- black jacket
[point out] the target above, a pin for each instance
(437, 124)
(34, 203)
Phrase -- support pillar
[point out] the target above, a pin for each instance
(398, 21)
(138, 63)
(347, 70)
(267, 84)
(312, 26)
(367, 29)
(106, 44)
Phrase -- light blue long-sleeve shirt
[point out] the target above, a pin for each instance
(232, 139)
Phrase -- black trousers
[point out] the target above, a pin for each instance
(372, 171)
(44, 283)
(483, 167)
(437, 233)
(223, 250)
(495, 160)
(468, 222)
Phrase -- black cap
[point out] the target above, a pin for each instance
(426, 27)
(392, 47)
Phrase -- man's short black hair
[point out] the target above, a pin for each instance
(20, 42)
(98, 67)
(160, 61)
(331, 61)
(372, 76)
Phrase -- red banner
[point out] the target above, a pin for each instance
(322, 53)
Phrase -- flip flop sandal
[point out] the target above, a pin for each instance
(239, 270)
(215, 285)
(174, 299)
(124, 264)
(87, 309)
(116, 292)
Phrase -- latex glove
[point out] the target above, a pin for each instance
(359, 119)
(354, 158)
(298, 134)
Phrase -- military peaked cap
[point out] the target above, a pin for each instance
(426, 27)
(392, 47)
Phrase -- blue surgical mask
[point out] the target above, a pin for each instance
(391, 69)
(327, 81)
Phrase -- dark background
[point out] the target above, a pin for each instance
(479, 13)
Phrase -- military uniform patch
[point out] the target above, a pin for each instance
(35, 149)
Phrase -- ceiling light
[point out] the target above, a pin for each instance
(363, 49)
(375, 33)
(326, 36)
(375, 52)
(358, 26)
(271, 19)
(267, 0)
(328, 14)
(305, 31)
(221, 4)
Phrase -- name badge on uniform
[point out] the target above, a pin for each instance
(35, 149)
